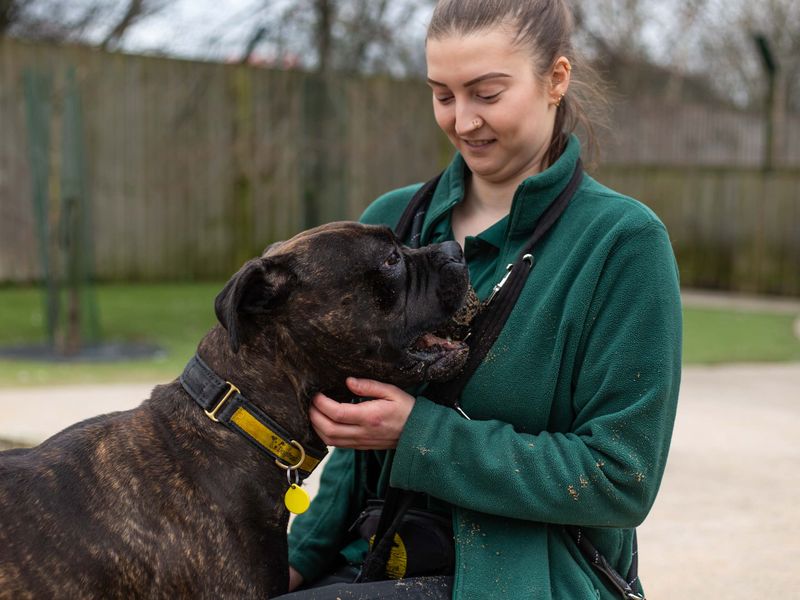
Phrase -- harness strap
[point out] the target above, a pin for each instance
(224, 403)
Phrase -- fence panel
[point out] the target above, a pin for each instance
(734, 229)
(194, 167)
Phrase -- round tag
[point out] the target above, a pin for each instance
(296, 499)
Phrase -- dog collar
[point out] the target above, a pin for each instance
(224, 403)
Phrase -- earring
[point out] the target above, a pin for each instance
(476, 123)
(560, 98)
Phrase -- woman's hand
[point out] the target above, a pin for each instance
(295, 579)
(370, 425)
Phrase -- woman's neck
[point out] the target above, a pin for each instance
(484, 204)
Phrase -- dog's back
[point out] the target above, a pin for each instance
(102, 509)
(56, 512)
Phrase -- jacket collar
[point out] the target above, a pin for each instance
(531, 198)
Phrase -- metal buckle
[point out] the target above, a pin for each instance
(232, 390)
(296, 466)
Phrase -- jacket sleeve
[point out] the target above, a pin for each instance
(317, 535)
(605, 471)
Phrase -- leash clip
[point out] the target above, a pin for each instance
(231, 390)
(528, 258)
(499, 285)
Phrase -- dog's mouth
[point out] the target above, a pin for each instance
(438, 357)
(440, 354)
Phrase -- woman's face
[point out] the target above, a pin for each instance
(489, 102)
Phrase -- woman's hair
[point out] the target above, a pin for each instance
(545, 27)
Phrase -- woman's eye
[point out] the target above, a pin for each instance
(392, 260)
(489, 97)
(444, 99)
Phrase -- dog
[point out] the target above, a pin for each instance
(165, 500)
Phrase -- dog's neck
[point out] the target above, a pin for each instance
(267, 377)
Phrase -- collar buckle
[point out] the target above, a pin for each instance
(232, 389)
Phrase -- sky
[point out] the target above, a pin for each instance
(213, 29)
(203, 29)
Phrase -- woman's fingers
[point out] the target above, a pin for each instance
(370, 425)
(369, 388)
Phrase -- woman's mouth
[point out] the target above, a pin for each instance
(478, 143)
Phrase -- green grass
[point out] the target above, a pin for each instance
(713, 336)
(176, 316)
(173, 316)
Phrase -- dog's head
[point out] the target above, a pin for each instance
(356, 300)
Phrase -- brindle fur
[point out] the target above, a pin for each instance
(159, 501)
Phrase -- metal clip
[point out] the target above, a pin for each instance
(528, 258)
(499, 285)
(460, 411)
(231, 390)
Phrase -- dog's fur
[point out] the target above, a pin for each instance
(160, 501)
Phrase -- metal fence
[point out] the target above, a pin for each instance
(193, 167)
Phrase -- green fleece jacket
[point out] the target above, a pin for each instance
(572, 409)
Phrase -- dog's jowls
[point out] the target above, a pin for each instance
(160, 501)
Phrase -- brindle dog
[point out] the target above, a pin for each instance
(160, 501)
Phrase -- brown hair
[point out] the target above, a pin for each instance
(545, 27)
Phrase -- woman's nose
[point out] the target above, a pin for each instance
(467, 122)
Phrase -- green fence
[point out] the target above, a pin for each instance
(731, 229)
(193, 167)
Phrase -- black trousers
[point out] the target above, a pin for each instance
(339, 586)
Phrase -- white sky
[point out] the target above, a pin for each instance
(213, 29)
(194, 29)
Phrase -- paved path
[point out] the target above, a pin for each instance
(726, 522)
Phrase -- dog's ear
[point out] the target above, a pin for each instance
(258, 287)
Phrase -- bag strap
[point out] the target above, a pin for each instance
(396, 505)
(490, 321)
(409, 227)
(623, 585)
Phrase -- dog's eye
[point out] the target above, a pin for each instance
(393, 259)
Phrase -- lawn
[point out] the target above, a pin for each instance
(713, 336)
(175, 316)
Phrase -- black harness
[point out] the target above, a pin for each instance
(484, 332)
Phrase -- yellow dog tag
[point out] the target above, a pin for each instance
(296, 499)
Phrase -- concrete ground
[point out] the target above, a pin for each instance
(726, 523)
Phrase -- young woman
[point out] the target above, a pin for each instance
(571, 411)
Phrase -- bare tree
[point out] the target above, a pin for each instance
(646, 48)
(730, 50)
(84, 21)
(360, 36)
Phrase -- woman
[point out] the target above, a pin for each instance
(571, 412)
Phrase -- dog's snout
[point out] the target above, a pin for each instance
(452, 251)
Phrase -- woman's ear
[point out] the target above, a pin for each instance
(559, 79)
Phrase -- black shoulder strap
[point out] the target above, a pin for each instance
(409, 227)
(491, 320)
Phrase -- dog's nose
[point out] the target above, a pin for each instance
(452, 250)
